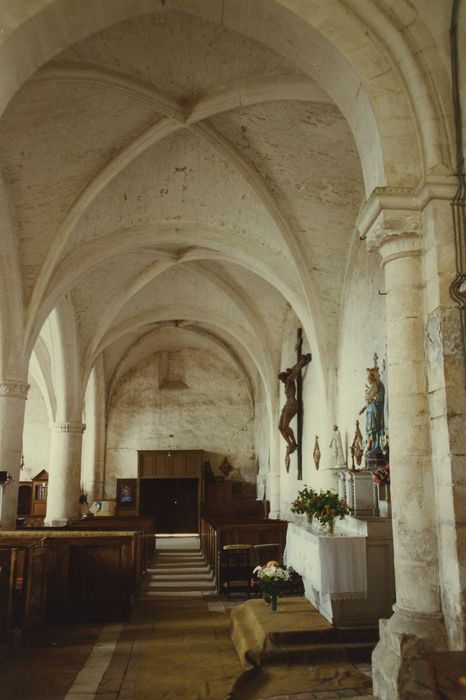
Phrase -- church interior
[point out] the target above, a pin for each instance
(232, 341)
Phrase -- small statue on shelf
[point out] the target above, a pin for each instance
(374, 408)
(336, 443)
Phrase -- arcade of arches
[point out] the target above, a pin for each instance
(183, 184)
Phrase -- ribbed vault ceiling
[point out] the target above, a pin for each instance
(141, 188)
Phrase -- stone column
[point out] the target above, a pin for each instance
(13, 396)
(417, 624)
(64, 472)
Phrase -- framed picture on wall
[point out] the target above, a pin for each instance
(127, 495)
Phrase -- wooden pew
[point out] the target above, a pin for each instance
(144, 525)
(8, 563)
(24, 605)
(214, 514)
(89, 576)
(218, 533)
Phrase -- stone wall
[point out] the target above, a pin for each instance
(36, 436)
(362, 333)
(315, 423)
(182, 400)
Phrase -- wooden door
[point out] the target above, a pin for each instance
(173, 503)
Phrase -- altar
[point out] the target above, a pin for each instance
(347, 576)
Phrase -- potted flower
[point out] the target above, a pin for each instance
(330, 507)
(306, 503)
(324, 506)
(271, 579)
(381, 477)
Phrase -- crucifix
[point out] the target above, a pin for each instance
(292, 379)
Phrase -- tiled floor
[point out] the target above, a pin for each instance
(114, 662)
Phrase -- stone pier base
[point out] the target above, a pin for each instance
(399, 671)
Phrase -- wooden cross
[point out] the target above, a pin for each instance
(292, 379)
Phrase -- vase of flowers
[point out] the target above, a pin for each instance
(381, 477)
(271, 579)
(306, 503)
(324, 506)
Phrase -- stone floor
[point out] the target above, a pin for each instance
(116, 661)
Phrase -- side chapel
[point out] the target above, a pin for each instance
(224, 217)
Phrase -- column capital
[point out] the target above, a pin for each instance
(395, 233)
(14, 388)
(68, 427)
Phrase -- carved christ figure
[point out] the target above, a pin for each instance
(290, 409)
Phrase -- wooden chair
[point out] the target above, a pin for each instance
(235, 570)
(262, 553)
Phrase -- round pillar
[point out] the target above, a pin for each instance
(64, 472)
(417, 623)
(13, 396)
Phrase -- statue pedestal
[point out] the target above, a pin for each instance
(358, 490)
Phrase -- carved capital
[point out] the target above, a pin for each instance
(14, 388)
(395, 234)
(68, 427)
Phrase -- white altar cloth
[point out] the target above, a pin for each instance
(334, 565)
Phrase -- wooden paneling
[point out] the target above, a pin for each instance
(8, 559)
(89, 575)
(34, 586)
(168, 464)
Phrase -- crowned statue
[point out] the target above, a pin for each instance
(374, 410)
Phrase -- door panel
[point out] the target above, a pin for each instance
(173, 503)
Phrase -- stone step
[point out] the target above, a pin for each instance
(178, 586)
(185, 576)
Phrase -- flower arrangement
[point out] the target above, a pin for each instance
(381, 475)
(306, 503)
(271, 579)
(325, 506)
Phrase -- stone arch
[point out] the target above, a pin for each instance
(373, 65)
(90, 255)
(66, 365)
(40, 369)
(151, 338)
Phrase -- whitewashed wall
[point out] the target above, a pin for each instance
(315, 422)
(262, 443)
(362, 334)
(36, 435)
(205, 405)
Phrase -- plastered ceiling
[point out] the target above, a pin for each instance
(144, 191)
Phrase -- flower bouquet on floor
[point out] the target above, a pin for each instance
(271, 579)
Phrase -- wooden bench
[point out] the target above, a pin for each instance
(210, 523)
(216, 533)
(146, 526)
(90, 576)
(23, 585)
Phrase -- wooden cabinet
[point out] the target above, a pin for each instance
(40, 485)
